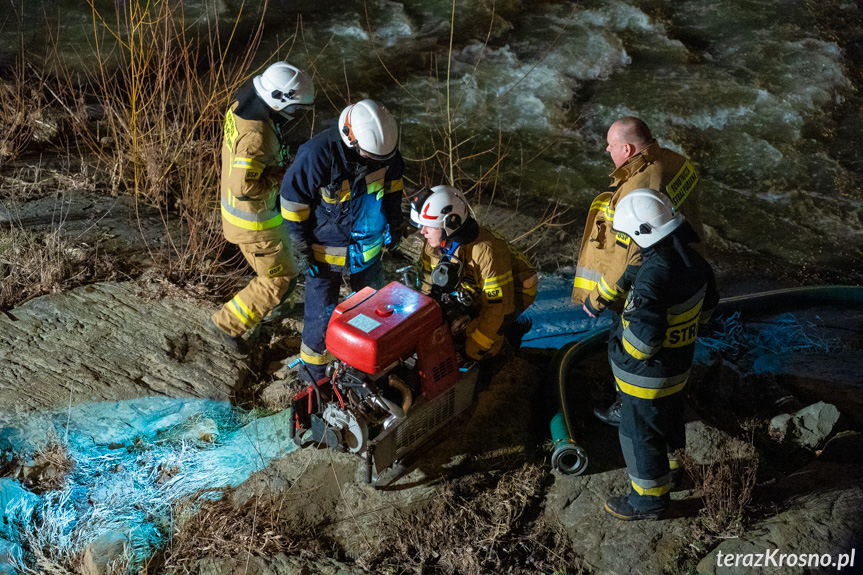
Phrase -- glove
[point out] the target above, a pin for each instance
(308, 267)
(393, 238)
(590, 310)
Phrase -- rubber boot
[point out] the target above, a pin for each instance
(234, 343)
(611, 414)
(620, 508)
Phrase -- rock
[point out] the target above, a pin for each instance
(16, 503)
(611, 546)
(705, 444)
(815, 423)
(277, 396)
(825, 516)
(780, 426)
(47, 352)
(809, 427)
(195, 430)
(104, 553)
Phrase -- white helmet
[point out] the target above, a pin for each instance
(285, 88)
(646, 216)
(440, 207)
(369, 127)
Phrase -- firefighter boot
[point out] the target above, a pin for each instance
(234, 343)
(620, 508)
(611, 414)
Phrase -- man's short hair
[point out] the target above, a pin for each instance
(634, 131)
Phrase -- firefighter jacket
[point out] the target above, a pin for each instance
(251, 174)
(501, 279)
(338, 206)
(672, 292)
(604, 256)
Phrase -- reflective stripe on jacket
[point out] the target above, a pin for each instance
(652, 346)
(337, 205)
(605, 255)
(501, 278)
(250, 178)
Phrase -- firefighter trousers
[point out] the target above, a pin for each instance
(276, 277)
(649, 430)
(322, 295)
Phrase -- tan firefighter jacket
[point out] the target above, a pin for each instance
(251, 176)
(502, 281)
(604, 255)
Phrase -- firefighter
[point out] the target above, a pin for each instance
(639, 162)
(254, 158)
(672, 292)
(503, 281)
(341, 199)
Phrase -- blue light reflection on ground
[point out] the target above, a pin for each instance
(134, 460)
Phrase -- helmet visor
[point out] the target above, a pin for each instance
(377, 157)
(295, 109)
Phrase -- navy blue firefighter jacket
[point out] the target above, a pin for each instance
(671, 294)
(340, 207)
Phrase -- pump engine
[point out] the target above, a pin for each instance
(396, 380)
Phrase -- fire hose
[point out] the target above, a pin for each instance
(568, 457)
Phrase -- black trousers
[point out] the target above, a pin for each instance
(649, 430)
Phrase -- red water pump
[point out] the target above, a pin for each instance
(396, 379)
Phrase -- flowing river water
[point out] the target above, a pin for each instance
(763, 95)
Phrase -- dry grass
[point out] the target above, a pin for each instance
(483, 523)
(477, 524)
(21, 106)
(726, 487)
(38, 263)
(220, 529)
(49, 466)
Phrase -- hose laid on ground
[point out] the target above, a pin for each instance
(568, 457)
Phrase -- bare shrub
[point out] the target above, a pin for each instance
(726, 486)
(482, 523)
(163, 84)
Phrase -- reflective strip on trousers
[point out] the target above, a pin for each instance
(655, 487)
(243, 313)
(648, 387)
(310, 356)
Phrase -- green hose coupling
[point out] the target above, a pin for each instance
(568, 457)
